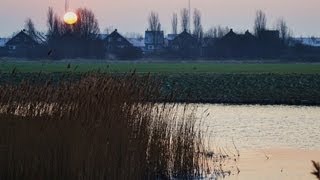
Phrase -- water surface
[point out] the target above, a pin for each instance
(275, 142)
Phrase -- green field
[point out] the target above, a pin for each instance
(201, 67)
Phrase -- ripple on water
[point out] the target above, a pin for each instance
(264, 126)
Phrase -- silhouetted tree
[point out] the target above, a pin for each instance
(222, 31)
(260, 22)
(154, 22)
(174, 23)
(197, 31)
(284, 30)
(185, 24)
(78, 40)
(216, 32)
(109, 29)
(30, 28)
(50, 21)
(87, 26)
(211, 33)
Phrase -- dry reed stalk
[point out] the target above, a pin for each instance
(316, 171)
(101, 127)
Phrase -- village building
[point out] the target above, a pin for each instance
(246, 45)
(306, 41)
(25, 45)
(154, 41)
(3, 51)
(118, 47)
(137, 43)
(185, 45)
(168, 39)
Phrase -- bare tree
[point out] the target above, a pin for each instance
(87, 25)
(222, 31)
(29, 27)
(283, 29)
(50, 20)
(109, 29)
(174, 23)
(197, 31)
(260, 22)
(154, 22)
(185, 24)
(211, 33)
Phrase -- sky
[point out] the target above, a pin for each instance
(302, 16)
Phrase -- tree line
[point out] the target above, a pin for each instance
(260, 24)
(83, 39)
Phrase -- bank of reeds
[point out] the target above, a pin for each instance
(100, 127)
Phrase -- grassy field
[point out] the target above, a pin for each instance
(203, 67)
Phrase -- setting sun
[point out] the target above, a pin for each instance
(70, 18)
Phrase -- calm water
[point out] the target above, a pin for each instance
(261, 127)
(275, 142)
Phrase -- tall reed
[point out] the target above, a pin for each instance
(100, 127)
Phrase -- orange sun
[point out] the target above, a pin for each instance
(70, 18)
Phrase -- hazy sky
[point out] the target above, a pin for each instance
(303, 16)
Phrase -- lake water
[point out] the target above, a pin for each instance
(275, 142)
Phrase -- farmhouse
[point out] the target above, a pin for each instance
(154, 41)
(185, 45)
(266, 44)
(3, 51)
(237, 45)
(118, 47)
(25, 45)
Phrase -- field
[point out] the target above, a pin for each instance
(157, 67)
(199, 82)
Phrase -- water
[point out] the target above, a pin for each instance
(261, 127)
(275, 142)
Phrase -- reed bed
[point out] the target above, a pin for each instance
(100, 127)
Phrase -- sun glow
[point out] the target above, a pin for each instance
(70, 18)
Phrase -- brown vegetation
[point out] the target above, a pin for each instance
(316, 171)
(100, 127)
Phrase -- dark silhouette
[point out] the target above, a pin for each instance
(197, 25)
(185, 46)
(154, 22)
(260, 22)
(185, 19)
(73, 41)
(84, 40)
(118, 47)
(316, 172)
(154, 37)
(25, 45)
(174, 23)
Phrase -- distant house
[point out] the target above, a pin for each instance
(137, 43)
(270, 43)
(154, 41)
(3, 42)
(25, 45)
(185, 45)
(246, 45)
(307, 41)
(168, 39)
(118, 47)
(269, 35)
(3, 51)
(237, 45)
